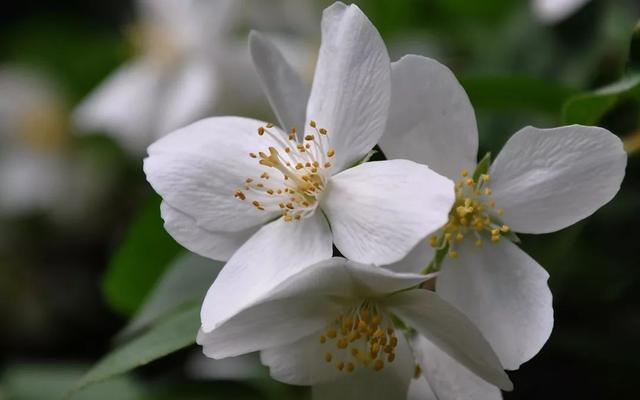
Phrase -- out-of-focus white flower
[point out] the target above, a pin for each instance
(278, 200)
(543, 180)
(189, 65)
(33, 140)
(553, 11)
(335, 326)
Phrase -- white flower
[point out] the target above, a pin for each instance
(282, 200)
(33, 138)
(189, 66)
(543, 180)
(335, 326)
(553, 11)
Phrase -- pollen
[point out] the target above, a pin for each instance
(362, 336)
(302, 167)
(474, 215)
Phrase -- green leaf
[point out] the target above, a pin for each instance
(168, 336)
(589, 108)
(482, 167)
(186, 281)
(51, 381)
(516, 93)
(143, 256)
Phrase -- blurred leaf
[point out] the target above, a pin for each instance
(51, 381)
(168, 336)
(80, 55)
(143, 256)
(634, 50)
(487, 11)
(589, 108)
(186, 281)
(516, 93)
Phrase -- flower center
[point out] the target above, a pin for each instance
(302, 165)
(362, 335)
(473, 214)
(44, 127)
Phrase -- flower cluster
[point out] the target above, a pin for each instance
(430, 294)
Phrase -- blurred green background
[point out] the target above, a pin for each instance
(69, 281)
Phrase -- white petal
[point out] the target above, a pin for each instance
(378, 211)
(392, 382)
(451, 331)
(267, 324)
(505, 293)
(275, 253)
(190, 96)
(370, 281)
(125, 105)
(419, 389)
(284, 88)
(198, 169)
(301, 362)
(215, 245)
(552, 11)
(417, 259)
(351, 88)
(548, 179)
(431, 120)
(446, 377)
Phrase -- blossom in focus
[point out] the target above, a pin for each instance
(33, 142)
(554, 11)
(188, 66)
(334, 326)
(277, 199)
(543, 180)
